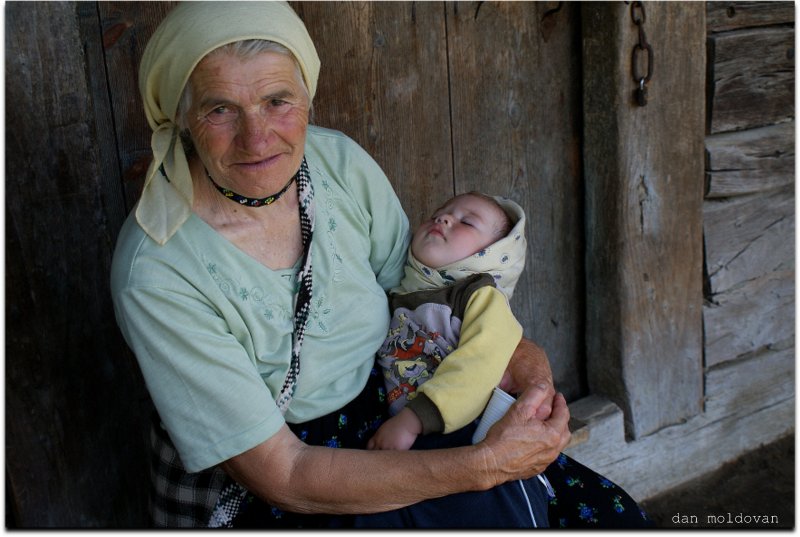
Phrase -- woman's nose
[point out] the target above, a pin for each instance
(254, 129)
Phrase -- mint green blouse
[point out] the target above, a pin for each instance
(212, 328)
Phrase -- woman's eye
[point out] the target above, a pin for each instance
(221, 112)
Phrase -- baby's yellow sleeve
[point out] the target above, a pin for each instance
(464, 380)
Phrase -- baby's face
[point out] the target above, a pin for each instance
(464, 226)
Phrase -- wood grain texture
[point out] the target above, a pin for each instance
(75, 451)
(748, 237)
(748, 403)
(644, 184)
(724, 16)
(749, 161)
(751, 78)
(514, 72)
(750, 265)
(384, 83)
(126, 27)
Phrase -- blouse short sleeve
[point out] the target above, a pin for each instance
(387, 227)
(211, 328)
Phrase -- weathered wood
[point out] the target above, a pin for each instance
(126, 28)
(516, 132)
(383, 82)
(751, 78)
(750, 265)
(748, 237)
(749, 403)
(75, 455)
(757, 315)
(763, 380)
(113, 195)
(754, 160)
(644, 192)
(724, 16)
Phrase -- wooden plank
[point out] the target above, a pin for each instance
(644, 192)
(724, 16)
(113, 194)
(126, 27)
(748, 237)
(749, 404)
(383, 82)
(761, 381)
(516, 132)
(751, 78)
(754, 160)
(750, 265)
(757, 315)
(75, 452)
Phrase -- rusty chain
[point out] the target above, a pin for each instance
(639, 16)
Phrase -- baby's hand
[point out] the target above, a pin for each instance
(399, 432)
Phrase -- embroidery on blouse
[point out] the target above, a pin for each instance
(270, 308)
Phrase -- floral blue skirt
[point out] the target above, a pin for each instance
(586, 499)
(583, 498)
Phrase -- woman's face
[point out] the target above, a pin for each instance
(248, 120)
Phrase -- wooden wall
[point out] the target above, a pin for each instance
(749, 273)
(644, 194)
(749, 208)
(75, 404)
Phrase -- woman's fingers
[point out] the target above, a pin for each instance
(532, 399)
(524, 445)
(559, 420)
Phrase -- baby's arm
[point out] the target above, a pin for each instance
(398, 432)
(464, 381)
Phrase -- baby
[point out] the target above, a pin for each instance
(452, 332)
(451, 337)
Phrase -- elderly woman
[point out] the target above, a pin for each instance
(250, 283)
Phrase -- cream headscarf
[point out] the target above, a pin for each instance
(504, 260)
(187, 34)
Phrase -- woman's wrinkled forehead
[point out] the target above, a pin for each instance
(194, 29)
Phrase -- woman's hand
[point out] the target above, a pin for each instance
(521, 445)
(530, 368)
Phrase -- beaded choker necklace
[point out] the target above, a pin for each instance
(250, 202)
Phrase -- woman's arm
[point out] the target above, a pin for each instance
(296, 477)
(529, 367)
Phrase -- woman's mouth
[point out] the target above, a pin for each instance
(258, 165)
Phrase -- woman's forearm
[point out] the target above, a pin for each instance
(296, 477)
(528, 366)
(354, 481)
(311, 479)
